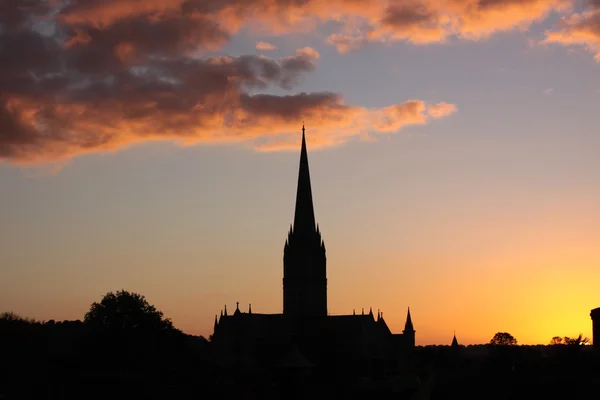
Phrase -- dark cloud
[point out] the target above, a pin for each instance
(99, 75)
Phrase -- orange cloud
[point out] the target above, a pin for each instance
(481, 18)
(362, 21)
(579, 29)
(441, 110)
(264, 46)
(337, 123)
(114, 75)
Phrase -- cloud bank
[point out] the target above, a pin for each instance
(580, 28)
(87, 76)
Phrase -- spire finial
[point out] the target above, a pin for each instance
(250, 308)
(237, 305)
(225, 309)
(302, 127)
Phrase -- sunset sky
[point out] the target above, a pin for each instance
(454, 147)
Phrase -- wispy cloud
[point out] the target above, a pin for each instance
(264, 46)
(582, 29)
(436, 21)
(549, 91)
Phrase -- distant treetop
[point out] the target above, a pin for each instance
(124, 311)
(503, 339)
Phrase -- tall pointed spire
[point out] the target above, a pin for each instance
(408, 326)
(454, 341)
(304, 259)
(304, 216)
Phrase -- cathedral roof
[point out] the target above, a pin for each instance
(257, 325)
(381, 322)
(294, 359)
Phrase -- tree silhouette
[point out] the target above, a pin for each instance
(503, 339)
(124, 311)
(576, 342)
(556, 340)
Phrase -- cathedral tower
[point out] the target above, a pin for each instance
(304, 260)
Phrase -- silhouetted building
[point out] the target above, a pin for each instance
(347, 344)
(455, 348)
(454, 342)
(595, 314)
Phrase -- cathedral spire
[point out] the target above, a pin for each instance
(304, 216)
(408, 327)
(454, 341)
(304, 259)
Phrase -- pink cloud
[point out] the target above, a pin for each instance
(264, 46)
(416, 21)
(582, 29)
(122, 72)
(441, 110)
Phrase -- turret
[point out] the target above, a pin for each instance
(454, 342)
(455, 349)
(409, 331)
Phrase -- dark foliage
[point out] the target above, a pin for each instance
(126, 349)
(503, 339)
(123, 349)
(124, 311)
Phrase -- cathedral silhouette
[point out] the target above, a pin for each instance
(304, 335)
